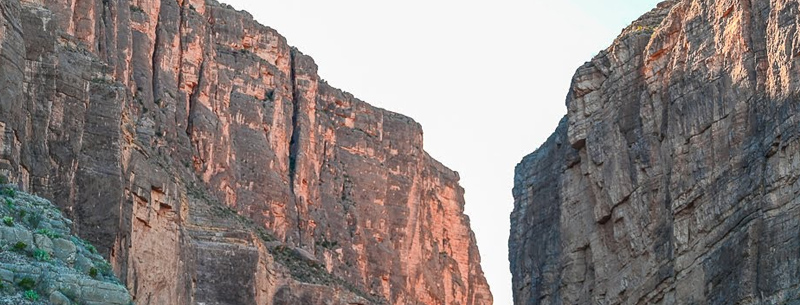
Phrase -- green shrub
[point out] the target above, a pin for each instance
(91, 248)
(265, 236)
(9, 203)
(27, 284)
(642, 28)
(104, 268)
(327, 244)
(49, 233)
(34, 220)
(9, 192)
(9, 221)
(41, 255)
(20, 246)
(31, 295)
(136, 9)
(79, 242)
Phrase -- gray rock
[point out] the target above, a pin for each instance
(305, 255)
(672, 179)
(65, 250)
(83, 264)
(6, 276)
(52, 276)
(14, 235)
(43, 242)
(57, 298)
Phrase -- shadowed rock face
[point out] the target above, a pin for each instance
(673, 178)
(211, 164)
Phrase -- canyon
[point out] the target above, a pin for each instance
(207, 160)
(673, 179)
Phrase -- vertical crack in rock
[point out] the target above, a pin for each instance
(260, 202)
(677, 186)
(294, 146)
(195, 91)
(154, 58)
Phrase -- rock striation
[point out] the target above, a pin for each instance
(207, 160)
(42, 263)
(673, 179)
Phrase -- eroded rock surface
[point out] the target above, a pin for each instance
(42, 263)
(210, 163)
(673, 177)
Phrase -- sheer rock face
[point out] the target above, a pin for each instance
(143, 119)
(673, 179)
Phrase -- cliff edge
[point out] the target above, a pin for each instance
(207, 160)
(673, 177)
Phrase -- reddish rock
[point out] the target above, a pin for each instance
(147, 120)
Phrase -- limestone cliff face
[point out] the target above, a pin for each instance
(673, 178)
(211, 164)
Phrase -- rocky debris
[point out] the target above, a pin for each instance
(673, 177)
(41, 262)
(286, 274)
(132, 115)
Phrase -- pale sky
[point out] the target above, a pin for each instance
(486, 79)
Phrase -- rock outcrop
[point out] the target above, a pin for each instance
(207, 160)
(42, 263)
(673, 179)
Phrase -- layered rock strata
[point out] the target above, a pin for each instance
(673, 177)
(148, 122)
(42, 263)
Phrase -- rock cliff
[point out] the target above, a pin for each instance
(673, 179)
(210, 164)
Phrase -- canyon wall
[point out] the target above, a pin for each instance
(210, 163)
(673, 179)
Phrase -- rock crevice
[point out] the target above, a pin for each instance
(670, 180)
(201, 153)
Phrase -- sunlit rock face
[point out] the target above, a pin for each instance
(211, 164)
(673, 179)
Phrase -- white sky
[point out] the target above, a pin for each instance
(486, 79)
